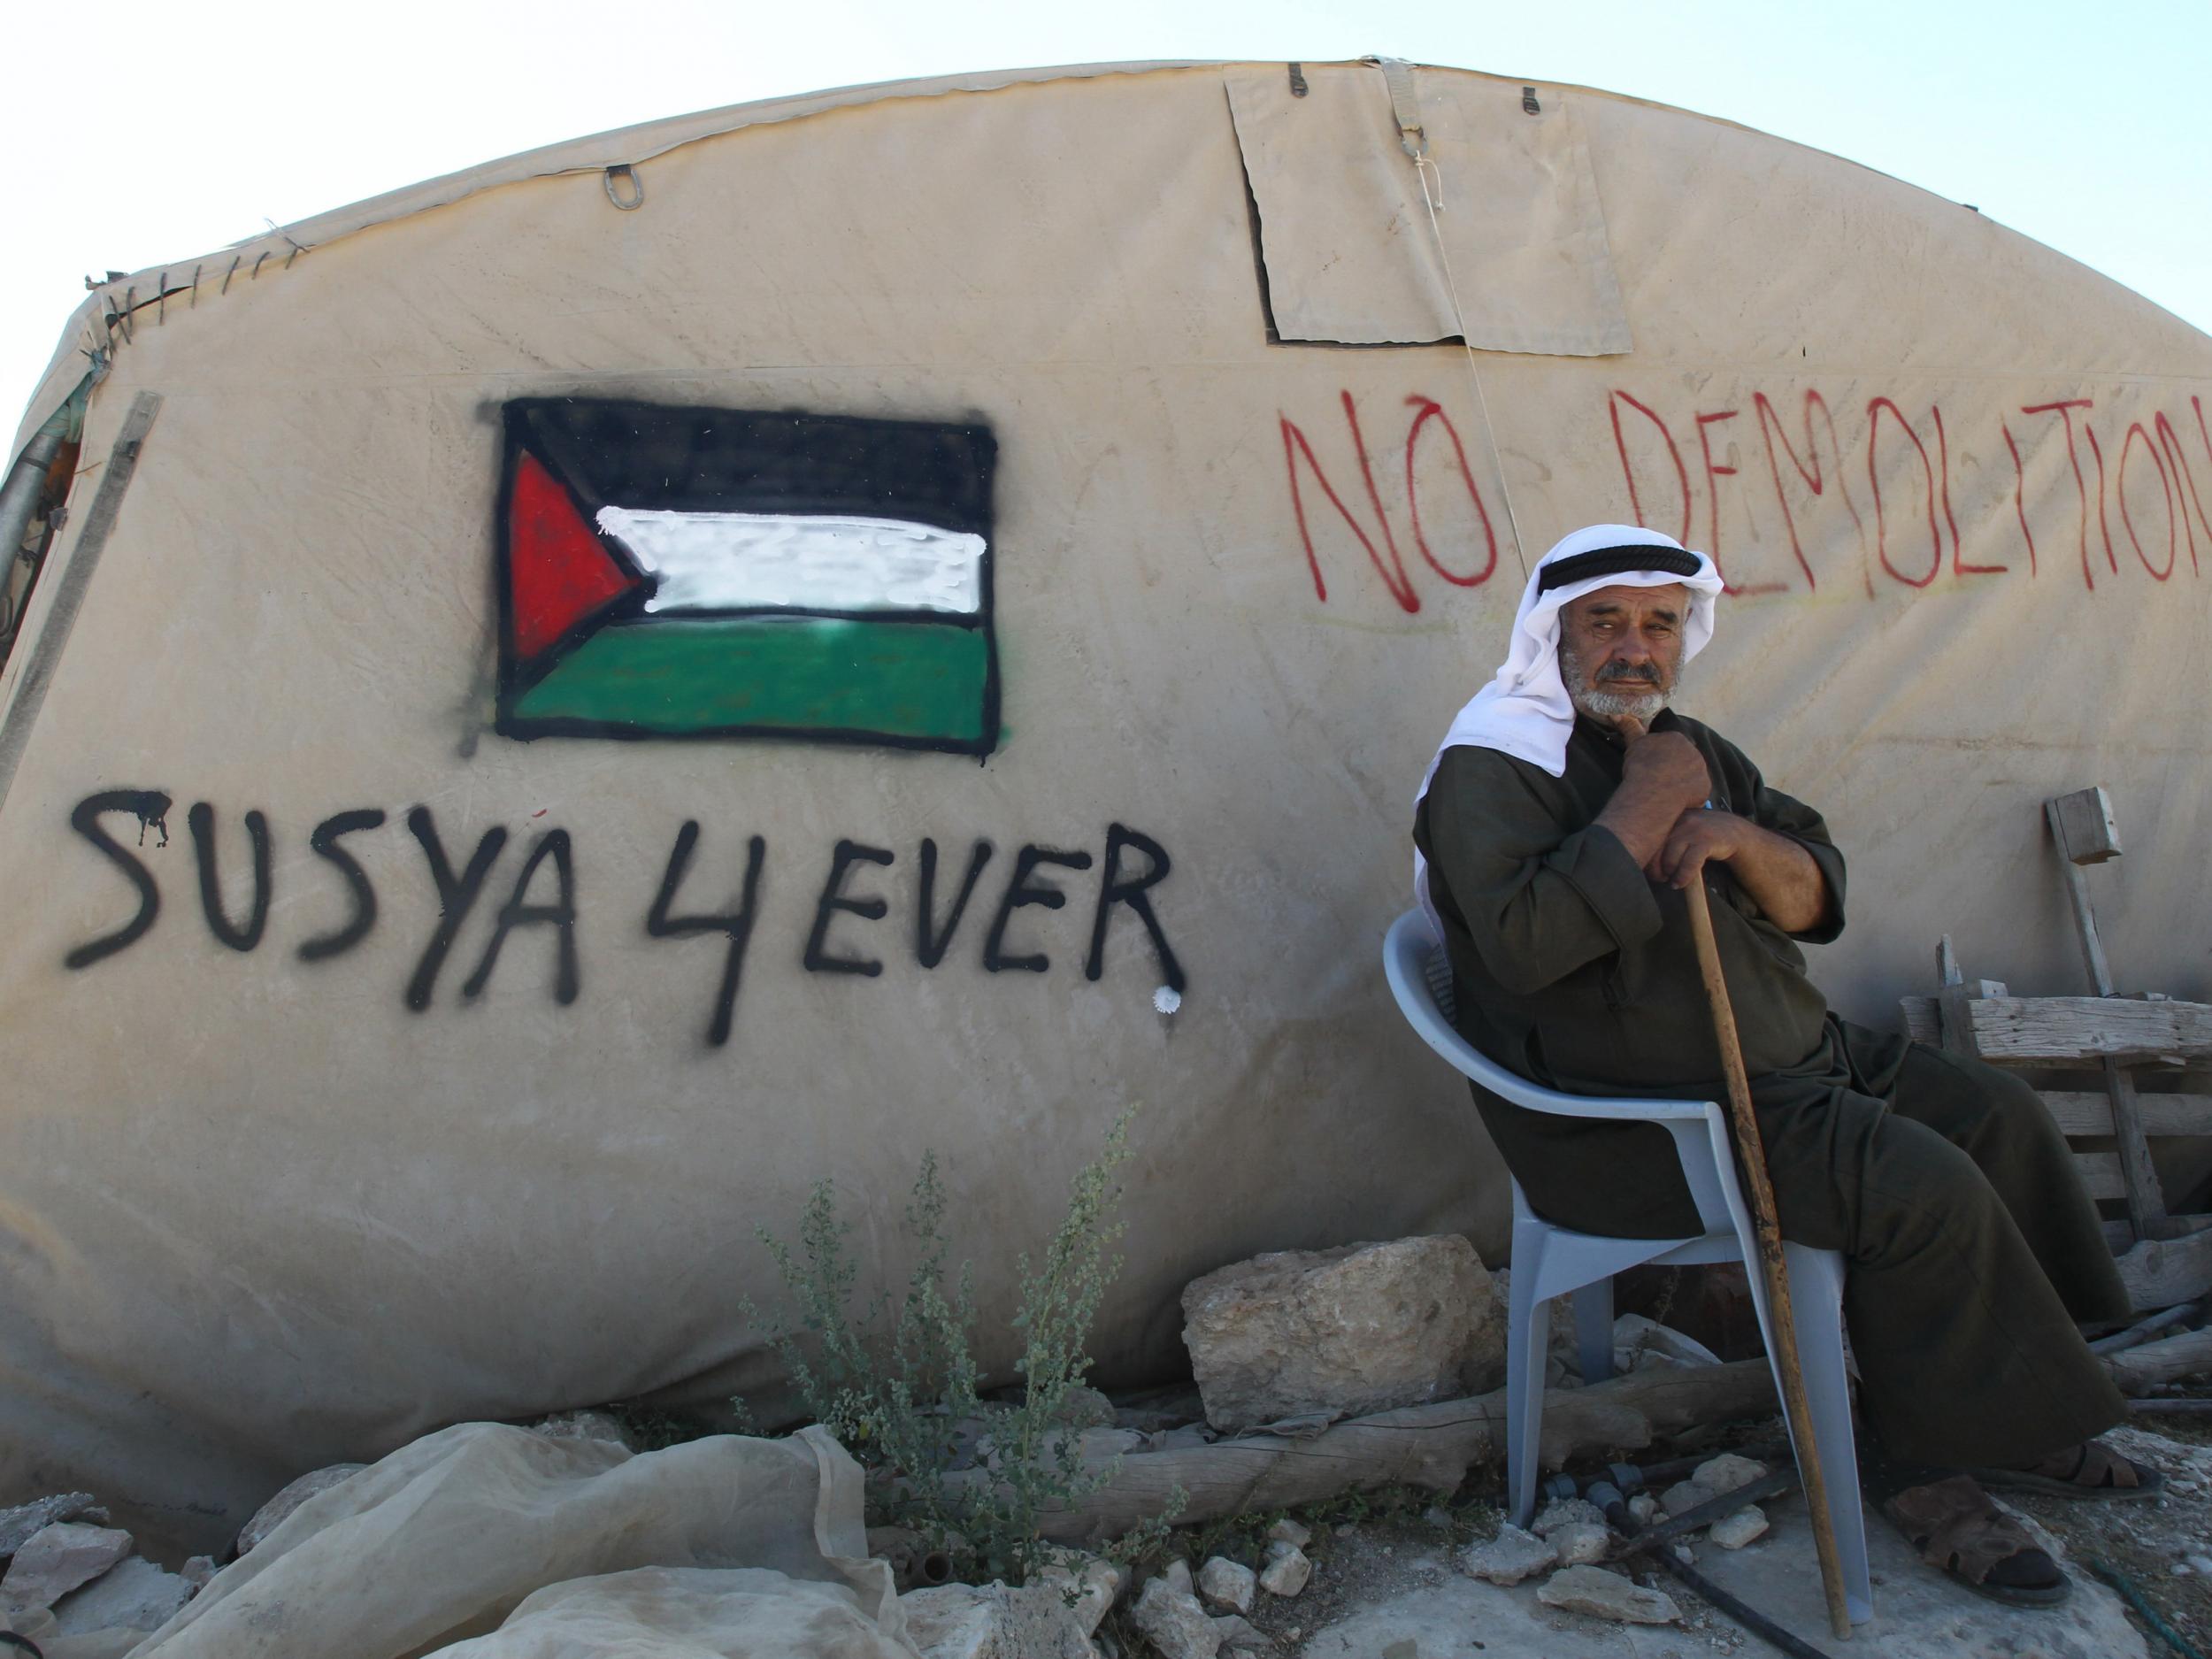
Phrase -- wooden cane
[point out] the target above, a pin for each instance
(1772, 1269)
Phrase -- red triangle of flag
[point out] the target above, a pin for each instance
(558, 571)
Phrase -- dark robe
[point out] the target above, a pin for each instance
(1973, 1248)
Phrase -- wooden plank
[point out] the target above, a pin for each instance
(2101, 1175)
(1428, 1445)
(1923, 1022)
(2062, 1030)
(2084, 827)
(2159, 1272)
(2146, 1198)
(2092, 956)
(2082, 824)
(2084, 1114)
(2188, 1354)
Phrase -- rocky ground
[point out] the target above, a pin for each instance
(1280, 1347)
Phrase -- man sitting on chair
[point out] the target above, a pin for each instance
(1565, 810)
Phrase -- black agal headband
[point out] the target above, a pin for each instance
(1615, 561)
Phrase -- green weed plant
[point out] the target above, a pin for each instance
(899, 1385)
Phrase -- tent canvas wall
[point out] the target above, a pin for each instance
(464, 866)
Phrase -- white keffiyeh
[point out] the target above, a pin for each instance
(1525, 710)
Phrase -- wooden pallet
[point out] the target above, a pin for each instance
(2164, 1258)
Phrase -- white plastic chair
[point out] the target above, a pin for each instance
(1551, 1261)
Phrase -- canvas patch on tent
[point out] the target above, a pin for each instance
(681, 572)
(1350, 252)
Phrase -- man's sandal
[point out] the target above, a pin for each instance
(1959, 1531)
(2091, 1470)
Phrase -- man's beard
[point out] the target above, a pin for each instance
(1619, 691)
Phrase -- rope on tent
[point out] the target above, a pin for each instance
(1414, 140)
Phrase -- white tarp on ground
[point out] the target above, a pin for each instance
(466, 1100)
(503, 1544)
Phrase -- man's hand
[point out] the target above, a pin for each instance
(1658, 813)
(1700, 836)
(1662, 777)
(1667, 768)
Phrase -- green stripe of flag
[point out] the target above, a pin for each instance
(917, 680)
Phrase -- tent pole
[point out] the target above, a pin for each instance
(26, 482)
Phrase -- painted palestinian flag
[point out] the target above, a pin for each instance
(669, 572)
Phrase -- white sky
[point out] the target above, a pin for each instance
(145, 134)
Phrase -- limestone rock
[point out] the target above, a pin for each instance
(1579, 1543)
(1238, 1632)
(1289, 1531)
(1726, 1472)
(1177, 1574)
(1509, 1558)
(993, 1621)
(1734, 1531)
(134, 1594)
(1287, 1570)
(199, 1571)
(1358, 1329)
(1085, 1408)
(1094, 1582)
(1643, 1505)
(1228, 1584)
(273, 1514)
(1604, 1594)
(1172, 1621)
(57, 1559)
(584, 1426)
(1566, 1512)
(17, 1524)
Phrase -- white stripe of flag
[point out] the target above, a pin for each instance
(745, 561)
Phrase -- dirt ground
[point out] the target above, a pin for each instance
(1373, 1549)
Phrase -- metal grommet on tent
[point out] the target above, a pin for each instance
(637, 186)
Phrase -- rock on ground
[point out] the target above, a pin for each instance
(1723, 1474)
(1579, 1543)
(199, 1571)
(1604, 1594)
(278, 1509)
(1358, 1329)
(1287, 1570)
(1566, 1512)
(1093, 1581)
(1289, 1531)
(1228, 1584)
(1734, 1531)
(993, 1621)
(1509, 1558)
(17, 1524)
(1238, 1632)
(57, 1559)
(1172, 1621)
(134, 1594)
